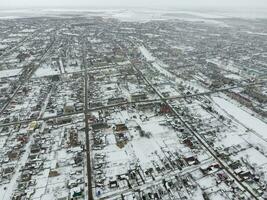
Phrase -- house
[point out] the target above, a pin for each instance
(76, 193)
(113, 184)
(121, 127)
(138, 96)
(69, 108)
(99, 125)
(116, 100)
(32, 126)
(63, 120)
(13, 154)
(191, 160)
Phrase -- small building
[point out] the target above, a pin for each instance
(116, 100)
(32, 126)
(121, 127)
(76, 193)
(69, 108)
(138, 96)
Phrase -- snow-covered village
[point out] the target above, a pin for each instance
(132, 105)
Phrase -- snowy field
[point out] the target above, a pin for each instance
(9, 73)
(242, 116)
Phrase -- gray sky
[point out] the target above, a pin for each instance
(133, 3)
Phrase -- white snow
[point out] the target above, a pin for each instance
(157, 64)
(245, 118)
(233, 76)
(40, 72)
(9, 72)
(7, 194)
(3, 46)
(149, 57)
(252, 156)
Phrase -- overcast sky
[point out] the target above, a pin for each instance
(133, 3)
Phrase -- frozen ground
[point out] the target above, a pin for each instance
(242, 116)
(9, 72)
